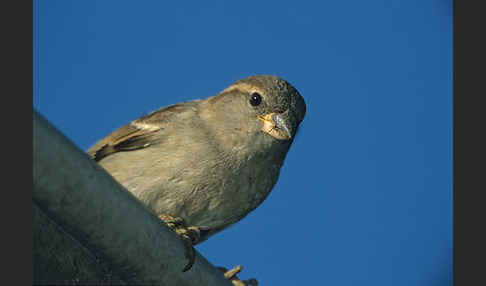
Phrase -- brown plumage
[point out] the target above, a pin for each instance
(209, 162)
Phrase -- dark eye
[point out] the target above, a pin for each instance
(255, 99)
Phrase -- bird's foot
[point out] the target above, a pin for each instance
(190, 235)
(231, 275)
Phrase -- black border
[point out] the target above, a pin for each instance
(17, 155)
(469, 144)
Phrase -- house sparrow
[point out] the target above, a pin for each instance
(203, 165)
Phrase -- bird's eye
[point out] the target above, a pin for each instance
(255, 99)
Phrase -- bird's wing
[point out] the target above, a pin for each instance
(139, 133)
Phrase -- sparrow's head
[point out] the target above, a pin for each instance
(263, 106)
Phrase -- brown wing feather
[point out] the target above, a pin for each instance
(132, 136)
(127, 138)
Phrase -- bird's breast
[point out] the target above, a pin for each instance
(233, 192)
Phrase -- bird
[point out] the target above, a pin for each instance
(203, 165)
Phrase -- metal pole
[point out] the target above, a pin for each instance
(97, 215)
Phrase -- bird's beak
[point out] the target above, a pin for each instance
(280, 126)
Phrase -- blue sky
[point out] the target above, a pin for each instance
(365, 194)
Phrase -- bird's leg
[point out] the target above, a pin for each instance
(190, 235)
(231, 275)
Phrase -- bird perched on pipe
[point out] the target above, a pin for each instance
(203, 165)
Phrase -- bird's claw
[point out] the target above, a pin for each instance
(231, 275)
(189, 235)
(190, 253)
